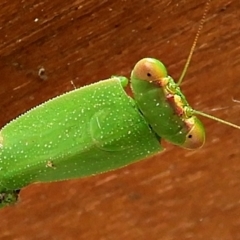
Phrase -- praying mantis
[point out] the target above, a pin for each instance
(107, 130)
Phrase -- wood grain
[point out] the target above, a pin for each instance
(178, 194)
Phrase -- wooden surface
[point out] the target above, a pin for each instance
(178, 194)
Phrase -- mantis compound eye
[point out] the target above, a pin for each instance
(195, 138)
(149, 69)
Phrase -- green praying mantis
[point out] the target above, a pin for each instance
(99, 128)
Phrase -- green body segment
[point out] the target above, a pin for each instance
(87, 131)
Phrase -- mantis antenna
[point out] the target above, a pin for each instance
(188, 62)
(194, 43)
(216, 119)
